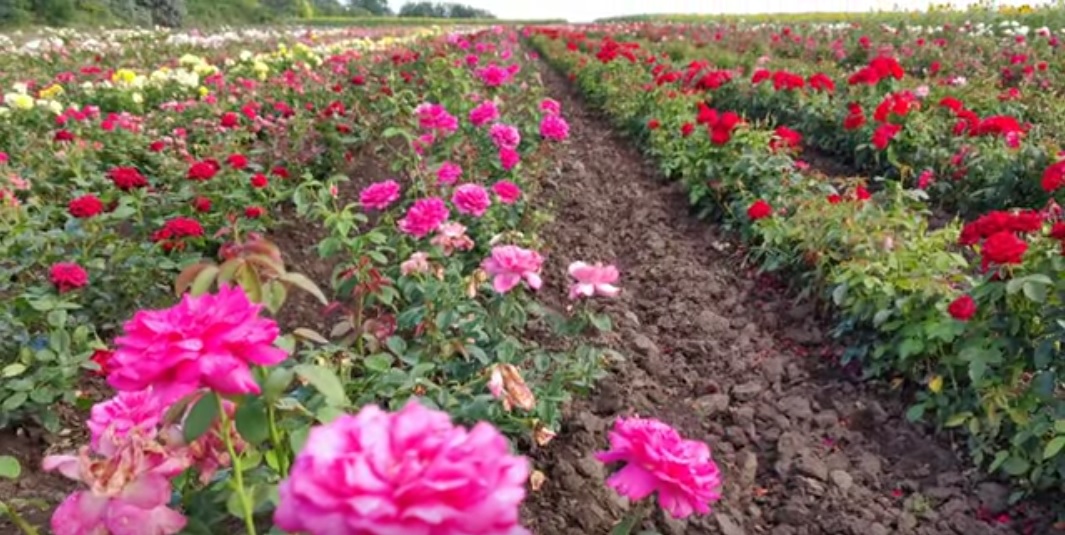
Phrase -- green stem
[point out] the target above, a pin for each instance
(238, 473)
(631, 520)
(17, 520)
(275, 437)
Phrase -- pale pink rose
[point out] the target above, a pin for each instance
(658, 459)
(593, 280)
(506, 191)
(451, 236)
(509, 265)
(417, 263)
(551, 106)
(379, 195)
(448, 173)
(554, 128)
(508, 158)
(471, 199)
(111, 421)
(495, 383)
(504, 136)
(424, 216)
(209, 341)
(407, 472)
(484, 113)
(127, 492)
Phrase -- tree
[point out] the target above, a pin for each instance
(443, 11)
(377, 8)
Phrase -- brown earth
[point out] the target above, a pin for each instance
(727, 358)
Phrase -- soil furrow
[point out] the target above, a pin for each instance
(726, 358)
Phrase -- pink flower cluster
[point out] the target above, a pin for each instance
(509, 265)
(208, 341)
(494, 75)
(505, 136)
(658, 459)
(411, 471)
(506, 191)
(436, 118)
(448, 173)
(554, 128)
(484, 113)
(551, 106)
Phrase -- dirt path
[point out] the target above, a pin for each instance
(728, 359)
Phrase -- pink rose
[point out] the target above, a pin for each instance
(448, 173)
(504, 136)
(554, 128)
(593, 280)
(471, 199)
(424, 216)
(506, 191)
(484, 113)
(380, 195)
(411, 471)
(509, 265)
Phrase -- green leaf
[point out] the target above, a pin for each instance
(200, 417)
(302, 282)
(601, 322)
(1000, 458)
(379, 362)
(1059, 426)
(977, 368)
(252, 422)
(311, 335)
(1053, 447)
(957, 419)
(1015, 466)
(203, 281)
(915, 413)
(1035, 292)
(13, 370)
(325, 381)
(15, 401)
(397, 345)
(9, 467)
(839, 294)
(1014, 285)
(298, 438)
(276, 383)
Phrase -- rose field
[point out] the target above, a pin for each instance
(656, 275)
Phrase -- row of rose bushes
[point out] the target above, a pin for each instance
(123, 177)
(929, 110)
(981, 342)
(218, 415)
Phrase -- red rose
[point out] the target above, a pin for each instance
(1004, 248)
(280, 172)
(203, 170)
(254, 212)
(759, 210)
(230, 119)
(962, 308)
(102, 357)
(834, 199)
(237, 161)
(85, 206)
(861, 193)
(653, 124)
(259, 181)
(67, 276)
(1054, 177)
(157, 146)
(202, 204)
(1058, 231)
(686, 129)
(63, 135)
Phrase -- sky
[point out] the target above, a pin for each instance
(588, 10)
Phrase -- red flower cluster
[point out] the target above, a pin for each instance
(1054, 176)
(720, 125)
(759, 210)
(171, 236)
(878, 69)
(1000, 234)
(785, 138)
(883, 135)
(855, 117)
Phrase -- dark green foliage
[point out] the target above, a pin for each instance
(435, 10)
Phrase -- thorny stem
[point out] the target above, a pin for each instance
(238, 475)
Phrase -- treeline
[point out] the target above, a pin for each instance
(185, 13)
